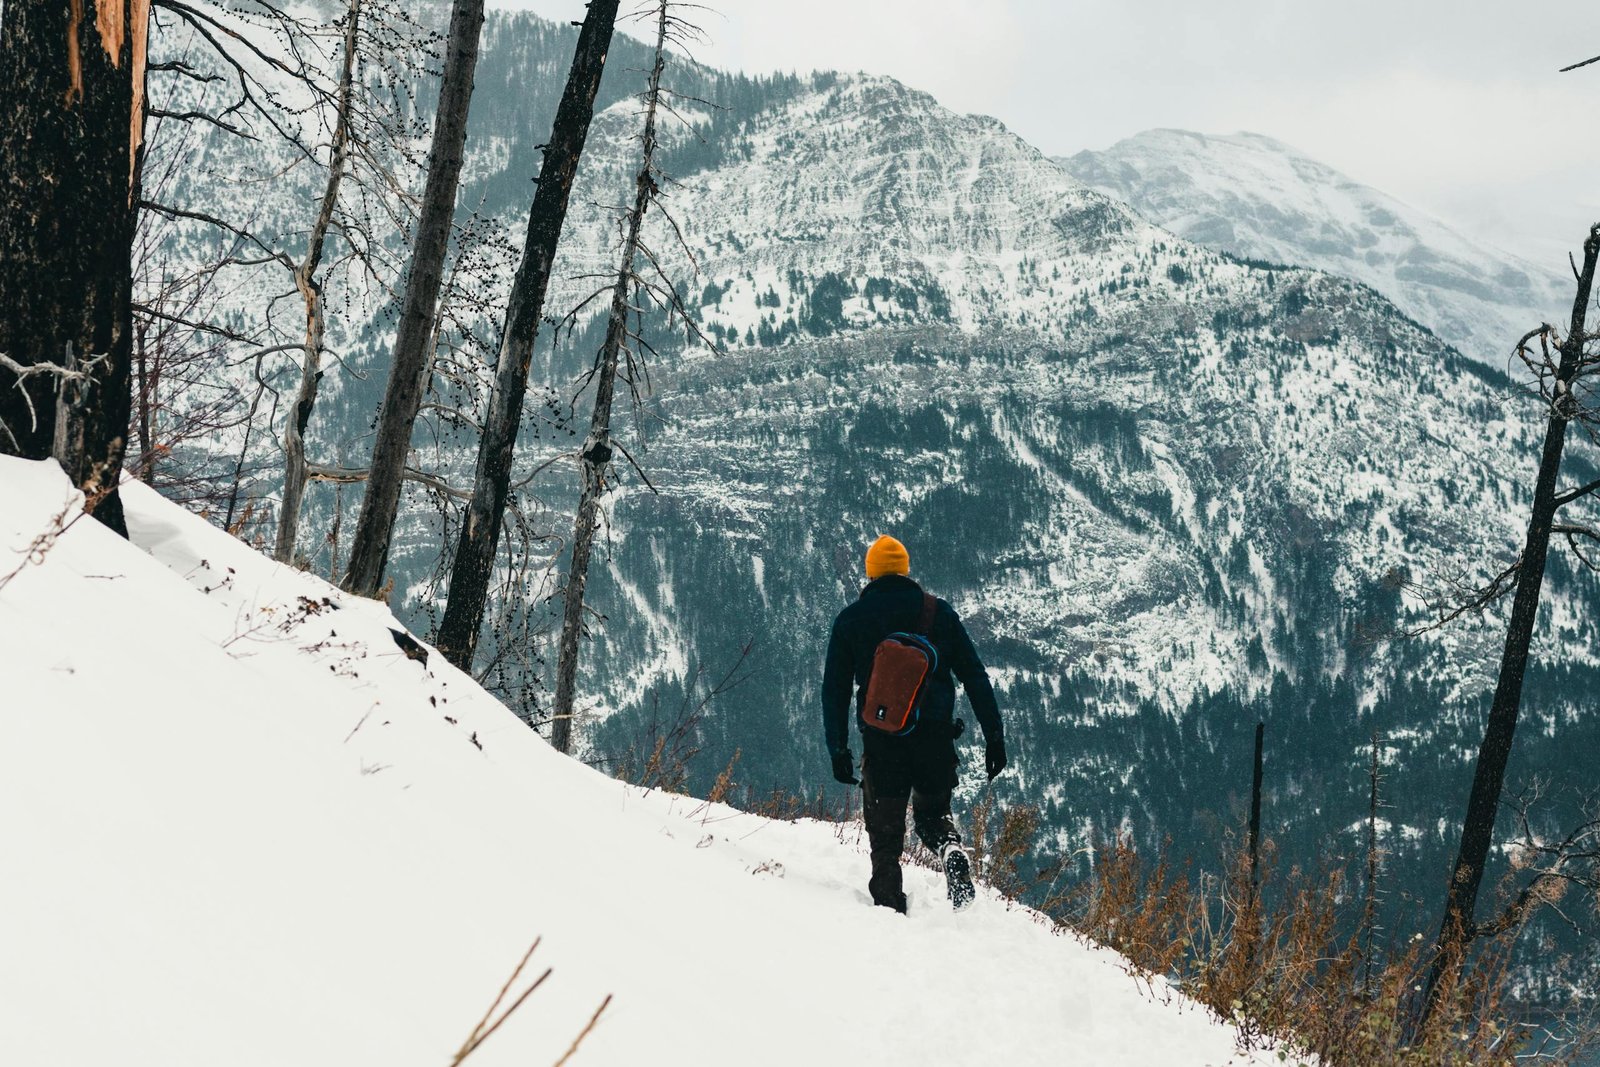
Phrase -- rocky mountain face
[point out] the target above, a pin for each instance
(1172, 491)
(1258, 198)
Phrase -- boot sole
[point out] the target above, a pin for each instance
(958, 879)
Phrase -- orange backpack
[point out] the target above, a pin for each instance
(900, 668)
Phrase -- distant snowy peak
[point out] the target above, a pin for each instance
(1253, 196)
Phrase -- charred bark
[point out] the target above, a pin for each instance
(1477, 828)
(595, 456)
(71, 126)
(480, 532)
(408, 370)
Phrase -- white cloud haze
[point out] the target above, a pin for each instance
(1456, 108)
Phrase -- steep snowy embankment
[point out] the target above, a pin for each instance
(241, 826)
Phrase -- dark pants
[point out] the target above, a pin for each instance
(920, 768)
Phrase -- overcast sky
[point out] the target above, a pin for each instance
(1454, 107)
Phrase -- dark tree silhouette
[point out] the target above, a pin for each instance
(71, 132)
(1564, 381)
(480, 529)
(408, 370)
(639, 285)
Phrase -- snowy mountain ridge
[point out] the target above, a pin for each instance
(990, 256)
(1253, 196)
(244, 826)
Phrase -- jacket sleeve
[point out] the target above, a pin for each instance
(838, 678)
(974, 678)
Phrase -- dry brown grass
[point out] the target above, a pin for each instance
(723, 787)
(489, 1023)
(840, 805)
(1283, 966)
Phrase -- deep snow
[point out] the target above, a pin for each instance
(239, 826)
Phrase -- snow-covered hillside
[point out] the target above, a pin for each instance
(1257, 197)
(242, 826)
(1172, 493)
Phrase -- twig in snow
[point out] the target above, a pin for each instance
(358, 725)
(41, 545)
(595, 1018)
(481, 1032)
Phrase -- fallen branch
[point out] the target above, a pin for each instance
(349, 475)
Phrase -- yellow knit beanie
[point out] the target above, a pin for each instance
(887, 556)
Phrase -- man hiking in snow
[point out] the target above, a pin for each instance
(900, 647)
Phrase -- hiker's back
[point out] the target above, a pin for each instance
(894, 604)
(901, 650)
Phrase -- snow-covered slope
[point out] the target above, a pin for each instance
(1172, 492)
(240, 826)
(1257, 197)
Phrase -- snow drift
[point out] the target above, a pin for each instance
(241, 825)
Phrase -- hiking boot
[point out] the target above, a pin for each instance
(896, 902)
(958, 876)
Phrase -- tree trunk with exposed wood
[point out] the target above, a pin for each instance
(71, 132)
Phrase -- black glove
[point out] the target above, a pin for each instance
(994, 757)
(843, 766)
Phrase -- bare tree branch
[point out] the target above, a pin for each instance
(1572, 533)
(1563, 499)
(1458, 598)
(200, 216)
(349, 475)
(205, 327)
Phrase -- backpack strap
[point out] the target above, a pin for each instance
(925, 621)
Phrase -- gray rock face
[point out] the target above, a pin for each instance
(1256, 197)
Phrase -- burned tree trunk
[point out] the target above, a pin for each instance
(1255, 815)
(408, 371)
(480, 532)
(310, 289)
(1369, 906)
(71, 126)
(1477, 828)
(597, 449)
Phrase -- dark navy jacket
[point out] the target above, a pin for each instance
(894, 603)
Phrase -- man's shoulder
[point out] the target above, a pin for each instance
(947, 622)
